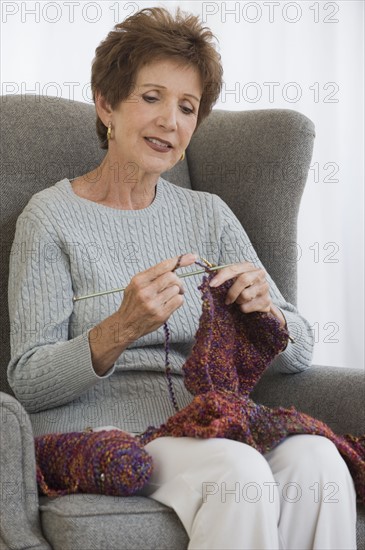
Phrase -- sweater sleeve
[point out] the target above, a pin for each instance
(47, 368)
(235, 246)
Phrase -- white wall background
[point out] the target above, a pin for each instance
(304, 55)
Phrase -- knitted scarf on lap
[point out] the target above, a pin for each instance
(108, 462)
(231, 352)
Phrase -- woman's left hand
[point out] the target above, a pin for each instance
(250, 290)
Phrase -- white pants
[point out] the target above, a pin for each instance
(229, 496)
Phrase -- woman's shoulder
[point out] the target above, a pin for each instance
(49, 209)
(55, 196)
(51, 193)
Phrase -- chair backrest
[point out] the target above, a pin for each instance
(256, 161)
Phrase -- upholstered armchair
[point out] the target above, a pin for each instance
(258, 162)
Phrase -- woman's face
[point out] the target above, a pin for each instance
(154, 125)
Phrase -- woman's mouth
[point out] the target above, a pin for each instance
(158, 145)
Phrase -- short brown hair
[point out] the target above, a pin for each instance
(149, 35)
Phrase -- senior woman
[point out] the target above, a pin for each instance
(100, 362)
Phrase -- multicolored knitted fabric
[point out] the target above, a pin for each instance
(109, 462)
(231, 352)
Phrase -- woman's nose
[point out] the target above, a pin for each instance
(168, 117)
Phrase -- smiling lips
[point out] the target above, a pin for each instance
(158, 144)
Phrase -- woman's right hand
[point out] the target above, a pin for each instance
(152, 296)
(148, 301)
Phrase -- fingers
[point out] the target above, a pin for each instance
(257, 299)
(232, 271)
(250, 289)
(159, 306)
(170, 264)
(163, 275)
(153, 295)
(171, 297)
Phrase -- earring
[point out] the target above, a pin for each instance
(109, 132)
(182, 156)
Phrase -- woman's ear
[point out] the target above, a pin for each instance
(103, 108)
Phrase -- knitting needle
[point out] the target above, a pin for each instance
(181, 276)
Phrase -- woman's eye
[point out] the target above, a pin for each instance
(186, 110)
(149, 98)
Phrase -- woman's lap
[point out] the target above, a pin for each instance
(300, 495)
(303, 481)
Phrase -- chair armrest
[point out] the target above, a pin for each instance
(331, 394)
(20, 523)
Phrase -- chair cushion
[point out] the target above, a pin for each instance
(112, 523)
(360, 527)
(121, 523)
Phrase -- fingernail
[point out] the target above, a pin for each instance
(214, 282)
(228, 301)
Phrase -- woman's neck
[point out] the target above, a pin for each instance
(116, 186)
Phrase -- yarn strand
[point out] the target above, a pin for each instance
(168, 368)
(170, 384)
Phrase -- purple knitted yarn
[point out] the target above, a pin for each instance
(109, 462)
(231, 352)
(232, 349)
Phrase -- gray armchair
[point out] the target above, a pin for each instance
(257, 161)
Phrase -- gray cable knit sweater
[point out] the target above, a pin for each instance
(65, 246)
